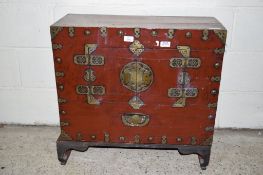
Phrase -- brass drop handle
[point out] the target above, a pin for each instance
(135, 119)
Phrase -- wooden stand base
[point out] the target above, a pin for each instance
(64, 148)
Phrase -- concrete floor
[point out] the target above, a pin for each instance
(32, 150)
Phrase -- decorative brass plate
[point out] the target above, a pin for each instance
(221, 34)
(136, 76)
(184, 51)
(136, 48)
(91, 60)
(54, 31)
(179, 92)
(136, 103)
(89, 75)
(135, 119)
(185, 62)
(92, 90)
(94, 60)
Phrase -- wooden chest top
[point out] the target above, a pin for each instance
(135, 79)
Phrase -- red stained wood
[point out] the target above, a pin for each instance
(189, 121)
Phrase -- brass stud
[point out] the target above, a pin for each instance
(120, 32)
(103, 32)
(211, 117)
(122, 138)
(61, 100)
(61, 87)
(136, 139)
(62, 112)
(58, 60)
(209, 128)
(214, 91)
(106, 137)
(154, 33)
(164, 139)
(64, 123)
(79, 136)
(150, 139)
(217, 65)
(87, 32)
(188, 35)
(179, 139)
(93, 137)
(205, 35)
(71, 31)
(193, 141)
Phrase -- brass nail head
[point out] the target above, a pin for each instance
(188, 35)
(217, 65)
(214, 91)
(87, 32)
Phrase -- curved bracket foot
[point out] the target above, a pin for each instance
(202, 151)
(64, 149)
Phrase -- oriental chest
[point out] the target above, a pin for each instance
(137, 82)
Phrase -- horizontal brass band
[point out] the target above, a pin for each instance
(92, 90)
(185, 62)
(135, 119)
(182, 92)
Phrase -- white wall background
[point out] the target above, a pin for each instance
(27, 84)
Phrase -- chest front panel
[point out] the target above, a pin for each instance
(131, 85)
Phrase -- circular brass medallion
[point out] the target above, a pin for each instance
(136, 76)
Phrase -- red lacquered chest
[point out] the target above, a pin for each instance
(136, 81)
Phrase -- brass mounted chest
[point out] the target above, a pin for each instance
(136, 81)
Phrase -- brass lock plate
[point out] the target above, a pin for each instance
(136, 76)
